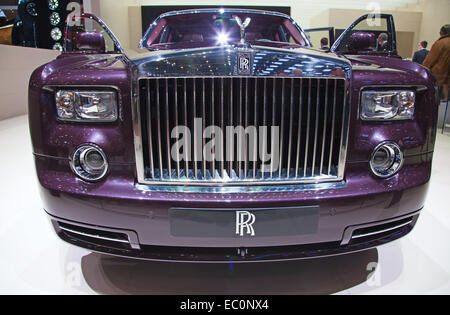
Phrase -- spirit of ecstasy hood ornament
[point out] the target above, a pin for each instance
(243, 26)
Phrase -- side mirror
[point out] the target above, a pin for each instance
(91, 41)
(361, 41)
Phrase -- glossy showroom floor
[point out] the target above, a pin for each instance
(34, 261)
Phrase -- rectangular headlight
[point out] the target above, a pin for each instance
(76, 105)
(387, 105)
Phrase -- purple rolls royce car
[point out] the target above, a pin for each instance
(231, 138)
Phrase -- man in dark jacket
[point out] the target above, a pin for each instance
(422, 53)
(438, 60)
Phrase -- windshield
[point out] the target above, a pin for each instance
(207, 29)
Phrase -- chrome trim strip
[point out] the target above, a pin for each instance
(241, 189)
(418, 88)
(347, 236)
(132, 236)
(344, 130)
(381, 231)
(93, 236)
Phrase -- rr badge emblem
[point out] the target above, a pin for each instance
(244, 223)
(244, 64)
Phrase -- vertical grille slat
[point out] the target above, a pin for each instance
(194, 109)
(310, 114)
(255, 143)
(245, 126)
(186, 144)
(283, 105)
(316, 129)
(149, 131)
(204, 174)
(291, 121)
(332, 129)
(240, 140)
(274, 123)
(324, 137)
(222, 125)
(167, 122)
(299, 130)
(176, 124)
(308, 124)
(158, 117)
(265, 132)
(230, 150)
(213, 164)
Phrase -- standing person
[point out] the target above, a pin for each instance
(422, 53)
(324, 44)
(438, 60)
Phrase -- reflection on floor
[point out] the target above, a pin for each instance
(109, 275)
(33, 260)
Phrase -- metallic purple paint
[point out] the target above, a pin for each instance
(117, 203)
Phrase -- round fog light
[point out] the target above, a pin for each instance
(89, 162)
(387, 159)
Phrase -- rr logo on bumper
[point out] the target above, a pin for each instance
(244, 223)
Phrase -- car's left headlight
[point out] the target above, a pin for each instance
(77, 105)
(387, 105)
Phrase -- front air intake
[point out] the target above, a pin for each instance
(98, 236)
(370, 233)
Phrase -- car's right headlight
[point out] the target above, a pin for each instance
(85, 106)
(387, 105)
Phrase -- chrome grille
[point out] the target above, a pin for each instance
(311, 114)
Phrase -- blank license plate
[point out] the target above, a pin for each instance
(244, 222)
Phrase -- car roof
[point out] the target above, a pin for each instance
(224, 10)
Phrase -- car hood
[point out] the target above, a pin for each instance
(224, 61)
